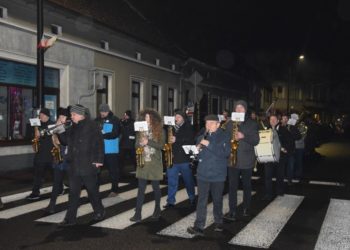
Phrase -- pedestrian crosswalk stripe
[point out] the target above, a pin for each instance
(87, 209)
(23, 195)
(37, 205)
(326, 183)
(265, 227)
(179, 228)
(335, 230)
(121, 221)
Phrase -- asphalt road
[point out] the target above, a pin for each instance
(314, 214)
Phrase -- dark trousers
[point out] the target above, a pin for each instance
(299, 158)
(233, 175)
(57, 187)
(290, 167)
(277, 168)
(111, 161)
(75, 184)
(39, 174)
(142, 183)
(216, 190)
(128, 156)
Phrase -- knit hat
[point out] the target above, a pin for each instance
(241, 102)
(180, 112)
(78, 109)
(62, 111)
(211, 117)
(104, 107)
(45, 111)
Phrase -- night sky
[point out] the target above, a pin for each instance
(228, 32)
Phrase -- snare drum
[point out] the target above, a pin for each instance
(269, 147)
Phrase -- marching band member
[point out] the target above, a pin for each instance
(152, 143)
(85, 157)
(183, 135)
(43, 156)
(247, 136)
(214, 149)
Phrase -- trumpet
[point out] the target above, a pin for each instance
(168, 149)
(234, 145)
(56, 128)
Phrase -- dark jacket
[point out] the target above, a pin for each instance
(286, 140)
(184, 136)
(111, 132)
(128, 134)
(245, 152)
(85, 147)
(212, 165)
(45, 146)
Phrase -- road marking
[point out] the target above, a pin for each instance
(121, 221)
(37, 205)
(255, 177)
(179, 228)
(335, 230)
(23, 195)
(87, 209)
(264, 228)
(325, 183)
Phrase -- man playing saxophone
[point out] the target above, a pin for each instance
(245, 135)
(182, 135)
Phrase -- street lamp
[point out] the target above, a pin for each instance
(300, 59)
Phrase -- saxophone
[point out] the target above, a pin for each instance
(168, 149)
(56, 151)
(35, 141)
(140, 161)
(234, 145)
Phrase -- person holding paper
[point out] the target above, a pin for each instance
(247, 137)
(85, 157)
(214, 147)
(183, 135)
(110, 128)
(152, 142)
(42, 158)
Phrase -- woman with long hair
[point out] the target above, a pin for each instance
(152, 143)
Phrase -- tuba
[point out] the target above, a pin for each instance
(168, 149)
(35, 141)
(234, 145)
(140, 161)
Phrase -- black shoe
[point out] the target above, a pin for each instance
(135, 218)
(66, 223)
(168, 205)
(267, 198)
(195, 231)
(33, 197)
(49, 210)
(218, 227)
(230, 217)
(99, 216)
(246, 212)
(156, 215)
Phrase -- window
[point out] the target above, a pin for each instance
(171, 100)
(135, 97)
(18, 96)
(155, 97)
(102, 92)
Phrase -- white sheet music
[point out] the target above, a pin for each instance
(190, 149)
(141, 126)
(169, 120)
(292, 121)
(34, 122)
(237, 117)
(221, 118)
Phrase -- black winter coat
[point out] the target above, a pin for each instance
(128, 134)
(85, 147)
(45, 146)
(286, 140)
(184, 136)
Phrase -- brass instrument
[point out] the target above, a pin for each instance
(56, 151)
(224, 124)
(140, 161)
(234, 145)
(35, 141)
(168, 149)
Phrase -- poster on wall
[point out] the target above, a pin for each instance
(50, 102)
